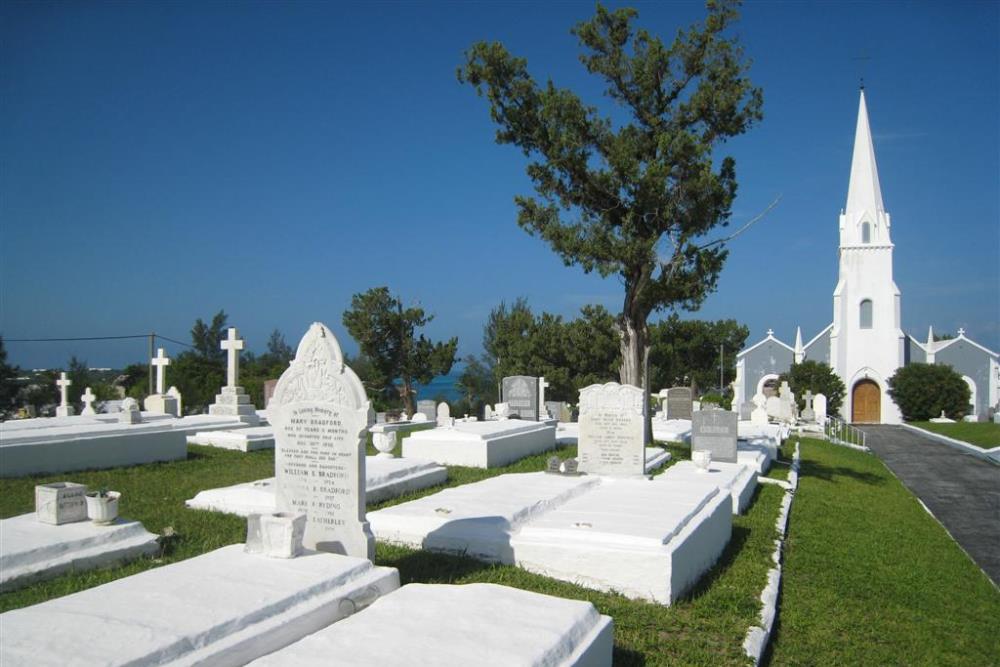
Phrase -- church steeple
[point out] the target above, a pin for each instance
(864, 220)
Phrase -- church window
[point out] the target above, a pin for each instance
(866, 314)
(866, 232)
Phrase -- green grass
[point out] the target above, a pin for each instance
(871, 579)
(981, 434)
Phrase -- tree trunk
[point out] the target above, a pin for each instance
(634, 345)
(406, 392)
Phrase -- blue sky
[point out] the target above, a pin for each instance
(161, 161)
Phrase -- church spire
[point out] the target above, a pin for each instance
(864, 193)
(800, 350)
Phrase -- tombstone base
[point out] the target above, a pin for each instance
(234, 402)
(161, 404)
(65, 411)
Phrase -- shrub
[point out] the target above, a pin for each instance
(923, 391)
(818, 378)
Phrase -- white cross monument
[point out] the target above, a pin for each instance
(161, 361)
(232, 401)
(64, 409)
(88, 399)
(160, 402)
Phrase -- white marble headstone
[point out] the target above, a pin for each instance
(819, 408)
(320, 414)
(611, 430)
(443, 414)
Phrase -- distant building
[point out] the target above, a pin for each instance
(865, 344)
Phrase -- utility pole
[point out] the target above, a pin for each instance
(721, 354)
(149, 359)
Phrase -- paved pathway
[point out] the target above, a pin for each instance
(962, 491)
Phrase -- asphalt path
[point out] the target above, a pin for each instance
(960, 490)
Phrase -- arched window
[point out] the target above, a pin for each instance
(866, 232)
(866, 314)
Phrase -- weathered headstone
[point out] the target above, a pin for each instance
(611, 430)
(88, 399)
(520, 393)
(679, 403)
(443, 414)
(175, 394)
(566, 414)
(808, 414)
(554, 408)
(787, 403)
(819, 407)
(320, 413)
(428, 409)
(64, 409)
(487, 412)
(130, 412)
(715, 431)
(759, 415)
(60, 502)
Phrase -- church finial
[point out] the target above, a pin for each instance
(930, 336)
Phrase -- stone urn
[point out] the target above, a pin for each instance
(102, 506)
(384, 443)
(702, 459)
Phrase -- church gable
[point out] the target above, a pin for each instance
(972, 361)
(818, 349)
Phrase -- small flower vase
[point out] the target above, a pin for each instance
(103, 509)
(702, 459)
(384, 443)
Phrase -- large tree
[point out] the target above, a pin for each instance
(682, 351)
(387, 335)
(633, 194)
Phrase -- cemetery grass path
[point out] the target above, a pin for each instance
(871, 579)
(985, 435)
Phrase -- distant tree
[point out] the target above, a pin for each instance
(634, 194)
(689, 349)
(8, 383)
(206, 337)
(387, 335)
(197, 377)
(819, 378)
(278, 351)
(79, 374)
(41, 392)
(943, 336)
(923, 391)
(477, 384)
(134, 374)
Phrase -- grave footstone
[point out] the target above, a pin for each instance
(320, 412)
(611, 430)
(715, 431)
(130, 412)
(679, 403)
(520, 393)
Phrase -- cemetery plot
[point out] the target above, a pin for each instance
(245, 440)
(737, 479)
(33, 551)
(475, 624)
(481, 444)
(225, 607)
(385, 478)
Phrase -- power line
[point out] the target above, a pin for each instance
(61, 340)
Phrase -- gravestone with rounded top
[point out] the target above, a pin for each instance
(520, 393)
(443, 414)
(612, 426)
(320, 416)
(819, 408)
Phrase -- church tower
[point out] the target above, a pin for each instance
(866, 342)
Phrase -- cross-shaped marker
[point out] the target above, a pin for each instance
(961, 331)
(770, 332)
(63, 383)
(88, 399)
(161, 362)
(232, 344)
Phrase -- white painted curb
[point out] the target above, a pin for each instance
(758, 636)
(991, 455)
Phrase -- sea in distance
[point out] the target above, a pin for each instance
(443, 386)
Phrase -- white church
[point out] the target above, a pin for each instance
(865, 344)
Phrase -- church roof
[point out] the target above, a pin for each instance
(864, 192)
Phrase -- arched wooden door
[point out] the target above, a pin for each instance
(866, 403)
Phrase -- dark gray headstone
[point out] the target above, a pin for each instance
(679, 403)
(520, 392)
(715, 431)
(427, 409)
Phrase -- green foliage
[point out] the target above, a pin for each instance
(197, 377)
(682, 351)
(477, 384)
(718, 399)
(79, 374)
(8, 383)
(923, 391)
(985, 435)
(635, 193)
(386, 334)
(818, 377)
(41, 392)
(206, 337)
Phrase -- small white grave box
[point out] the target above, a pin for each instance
(60, 502)
(277, 535)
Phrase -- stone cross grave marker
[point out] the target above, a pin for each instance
(232, 345)
(808, 414)
(64, 409)
(520, 393)
(320, 415)
(88, 399)
(680, 403)
(716, 432)
(161, 361)
(232, 401)
(611, 430)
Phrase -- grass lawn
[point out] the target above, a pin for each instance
(871, 579)
(981, 434)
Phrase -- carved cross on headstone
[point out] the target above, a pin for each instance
(232, 345)
(63, 383)
(88, 399)
(161, 361)
(808, 397)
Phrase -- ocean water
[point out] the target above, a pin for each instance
(442, 385)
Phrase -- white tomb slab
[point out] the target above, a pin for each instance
(385, 478)
(476, 519)
(737, 479)
(247, 439)
(426, 625)
(32, 551)
(485, 444)
(644, 539)
(672, 430)
(66, 446)
(225, 607)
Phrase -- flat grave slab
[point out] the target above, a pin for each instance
(65, 446)
(225, 607)
(247, 439)
(672, 430)
(757, 457)
(737, 479)
(32, 551)
(644, 539)
(481, 444)
(476, 624)
(476, 519)
(385, 478)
